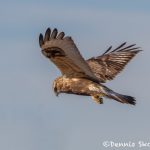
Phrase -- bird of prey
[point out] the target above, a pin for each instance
(86, 77)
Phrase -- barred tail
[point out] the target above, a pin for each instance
(119, 97)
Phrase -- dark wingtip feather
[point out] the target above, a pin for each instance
(47, 34)
(54, 33)
(135, 50)
(55, 30)
(41, 41)
(127, 47)
(61, 35)
(119, 46)
(109, 48)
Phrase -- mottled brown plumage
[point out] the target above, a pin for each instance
(84, 77)
(110, 63)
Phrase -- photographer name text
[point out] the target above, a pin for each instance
(129, 144)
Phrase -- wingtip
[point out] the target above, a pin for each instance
(54, 33)
(137, 51)
(41, 41)
(61, 35)
(48, 29)
(109, 48)
(47, 34)
(118, 48)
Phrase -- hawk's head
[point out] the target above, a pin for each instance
(57, 86)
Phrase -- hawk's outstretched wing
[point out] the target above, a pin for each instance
(112, 62)
(65, 55)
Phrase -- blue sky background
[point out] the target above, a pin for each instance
(31, 116)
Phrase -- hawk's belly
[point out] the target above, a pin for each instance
(78, 86)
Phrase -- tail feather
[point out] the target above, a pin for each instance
(119, 97)
(123, 98)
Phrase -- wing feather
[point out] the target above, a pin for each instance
(61, 35)
(112, 62)
(47, 35)
(68, 58)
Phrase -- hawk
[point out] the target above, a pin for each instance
(86, 77)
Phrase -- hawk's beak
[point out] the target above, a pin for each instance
(56, 93)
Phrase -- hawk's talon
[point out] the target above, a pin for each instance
(97, 99)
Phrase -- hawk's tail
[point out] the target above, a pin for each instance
(119, 97)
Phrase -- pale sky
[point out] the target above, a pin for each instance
(31, 116)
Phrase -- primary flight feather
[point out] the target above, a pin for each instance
(85, 77)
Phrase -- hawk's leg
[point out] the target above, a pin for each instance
(98, 99)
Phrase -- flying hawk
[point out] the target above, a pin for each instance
(85, 77)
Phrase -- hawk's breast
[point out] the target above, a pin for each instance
(78, 86)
